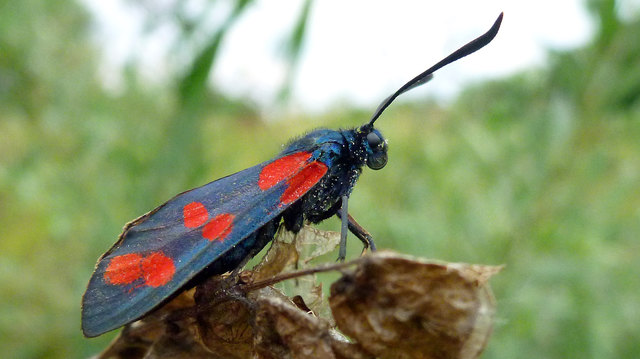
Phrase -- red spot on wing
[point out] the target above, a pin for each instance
(123, 269)
(157, 269)
(219, 227)
(281, 169)
(303, 181)
(194, 215)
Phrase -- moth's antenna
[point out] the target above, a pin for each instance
(421, 79)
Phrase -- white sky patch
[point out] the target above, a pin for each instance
(357, 51)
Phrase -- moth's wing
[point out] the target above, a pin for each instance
(161, 251)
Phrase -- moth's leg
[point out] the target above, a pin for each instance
(363, 235)
(342, 252)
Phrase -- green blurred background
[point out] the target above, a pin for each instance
(538, 171)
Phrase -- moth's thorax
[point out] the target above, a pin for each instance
(345, 152)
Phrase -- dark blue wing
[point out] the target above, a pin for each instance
(161, 251)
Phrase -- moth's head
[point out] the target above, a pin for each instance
(375, 146)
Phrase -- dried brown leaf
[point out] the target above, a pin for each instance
(391, 306)
(309, 243)
(312, 243)
(284, 331)
(281, 255)
(401, 307)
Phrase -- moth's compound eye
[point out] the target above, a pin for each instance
(377, 160)
(373, 139)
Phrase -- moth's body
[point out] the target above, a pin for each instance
(214, 228)
(304, 183)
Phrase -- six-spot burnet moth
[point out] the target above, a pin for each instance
(215, 228)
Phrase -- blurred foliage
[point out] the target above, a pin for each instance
(538, 171)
